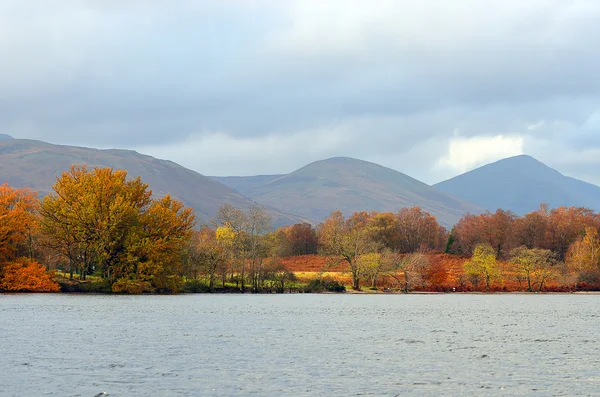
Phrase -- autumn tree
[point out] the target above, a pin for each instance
(17, 221)
(90, 214)
(417, 230)
(348, 239)
(258, 224)
(248, 228)
(101, 219)
(371, 266)
(530, 230)
(494, 229)
(534, 265)
(483, 265)
(157, 247)
(409, 270)
(302, 238)
(566, 225)
(583, 256)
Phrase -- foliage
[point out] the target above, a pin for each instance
(534, 265)
(483, 265)
(324, 285)
(100, 219)
(17, 220)
(128, 286)
(349, 239)
(25, 275)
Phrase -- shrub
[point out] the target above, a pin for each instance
(195, 286)
(128, 286)
(25, 275)
(324, 285)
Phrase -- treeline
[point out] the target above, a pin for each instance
(94, 223)
(99, 231)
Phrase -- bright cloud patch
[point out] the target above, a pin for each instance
(465, 154)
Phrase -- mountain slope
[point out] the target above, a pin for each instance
(349, 185)
(520, 184)
(244, 184)
(35, 164)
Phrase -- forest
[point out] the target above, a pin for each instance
(99, 231)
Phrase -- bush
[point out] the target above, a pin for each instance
(128, 286)
(324, 285)
(195, 286)
(89, 286)
(25, 275)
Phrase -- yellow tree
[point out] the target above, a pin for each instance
(583, 256)
(166, 230)
(534, 265)
(483, 264)
(89, 216)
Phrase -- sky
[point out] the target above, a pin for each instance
(431, 88)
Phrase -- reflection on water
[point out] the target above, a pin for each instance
(301, 345)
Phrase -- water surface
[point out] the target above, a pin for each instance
(300, 345)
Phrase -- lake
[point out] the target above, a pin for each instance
(300, 345)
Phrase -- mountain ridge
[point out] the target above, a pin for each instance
(36, 164)
(520, 184)
(348, 184)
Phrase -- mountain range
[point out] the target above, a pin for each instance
(36, 164)
(311, 193)
(521, 184)
(347, 184)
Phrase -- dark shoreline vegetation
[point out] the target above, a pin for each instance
(99, 232)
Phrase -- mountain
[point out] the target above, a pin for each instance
(521, 184)
(350, 185)
(35, 164)
(4, 137)
(244, 184)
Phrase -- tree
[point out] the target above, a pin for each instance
(258, 223)
(349, 239)
(100, 219)
(565, 226)
(487, 228)
(17, 220)
(483, 264)
(417, 230)
(90, 214)
(530, 230)
(408, 270)
(166, 229)
(370, 266)
(583, 255)
(302, 238)
(534, 265)
(235, 219)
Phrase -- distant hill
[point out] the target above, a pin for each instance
(349, 185)
(35, 164)
(520, 184)
(244, 184)
(4, 137)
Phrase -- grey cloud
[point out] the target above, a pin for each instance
(402, 82)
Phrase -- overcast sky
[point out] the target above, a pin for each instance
(431, 88)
